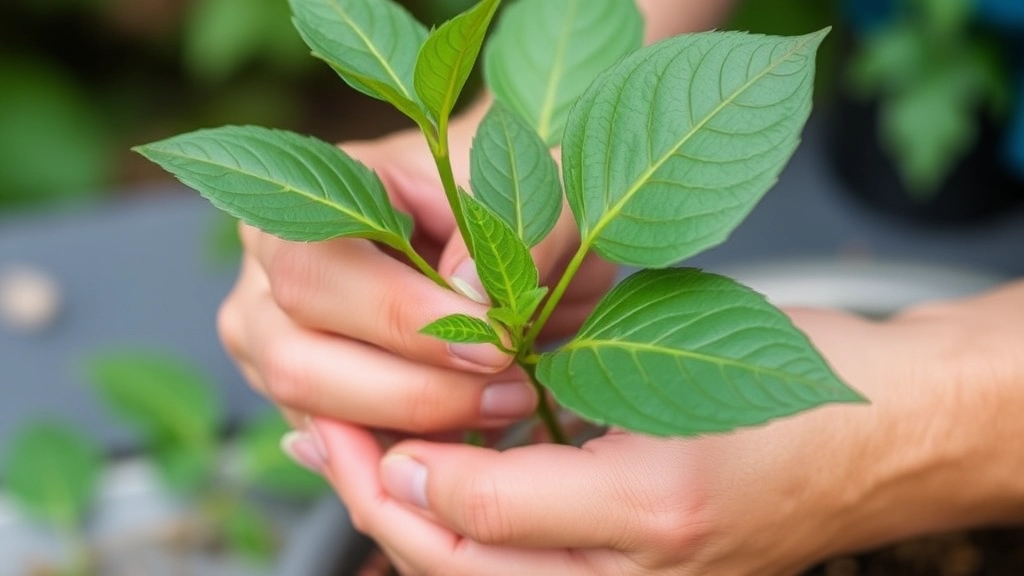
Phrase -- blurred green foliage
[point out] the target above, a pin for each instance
(81, 81)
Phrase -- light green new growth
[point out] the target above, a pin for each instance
(665, 150)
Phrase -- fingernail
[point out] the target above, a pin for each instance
(484, 355)
(466, 281)
(508, 400)
(405, 479)
(304, 449)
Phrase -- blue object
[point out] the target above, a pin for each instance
(866, 16)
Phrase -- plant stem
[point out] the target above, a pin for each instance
(556, 295)
(424, 266)
(442, 159)
(544, 410)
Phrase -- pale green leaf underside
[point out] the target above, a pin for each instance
(503, 262)
(669, 150)
(514, 175)
(462, 329)
(372, 44)
(680, 352)
(292, 186)
(51, 472)
(448, 56)
(544, 53)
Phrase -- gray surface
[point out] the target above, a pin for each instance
(135, 275)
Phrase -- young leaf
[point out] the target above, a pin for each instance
(504, 263)
(166, 400)
(528, 303)
(448, 56)
(544, 53)
(371, 44)
(671, 148)
(514, 175)
(681, 352)
(293, 186)
(463, 329)
(52, 472)
(264, 465)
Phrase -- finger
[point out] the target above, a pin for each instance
(607, 495)
(421, 546)
(350, 287)
(318, 373)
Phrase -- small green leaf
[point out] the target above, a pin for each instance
(680, 352)
(544, 53)
(264, 465)
(52, 472)
(371, 44)
(504, 263)
(448, 56)
(168, 401)
(670, 149)
(293, 186)
(514, 174)
(250, 532)
(462, 329)
(528, 303)
(184, 468)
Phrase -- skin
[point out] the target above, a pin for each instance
(329, 332)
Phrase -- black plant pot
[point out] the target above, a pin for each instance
(978, 187)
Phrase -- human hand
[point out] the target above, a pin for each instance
(768, 500)
(332, 329)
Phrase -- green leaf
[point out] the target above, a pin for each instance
(250, 533)
(167, 400)
(544, 53)
(264, 465)
(504, 263)
(184, 468)
(448, 56)
(669, 150)
(293, 186)
(680, 352)
(514, 175)
(52, 473)
(463, 329)
(372, 44)
(528, 303)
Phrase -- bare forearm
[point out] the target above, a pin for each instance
(670, 17)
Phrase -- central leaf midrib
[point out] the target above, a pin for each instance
(610, 215)
(688, 354)
(286, 187)
(344, 15)
(517, 204)
(547, 110)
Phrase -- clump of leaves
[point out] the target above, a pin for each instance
(174, 409)
(664, 151)
(935, 73)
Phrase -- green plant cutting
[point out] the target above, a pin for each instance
(664, 150)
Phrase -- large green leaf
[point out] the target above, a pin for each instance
(52, 472)
(371, 44)
(293, 186)
(680, 352)
(669, 150)
(514, 175)
(503, 262)
(544, 53)
(448, 56)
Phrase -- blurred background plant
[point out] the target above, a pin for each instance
(227, 489)
(83, 80)
(940, 72)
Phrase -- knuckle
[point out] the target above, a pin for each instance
(484, 518)
(394, 314)
(284, 375)
(428, 405)
(290, 274)
(229, 329)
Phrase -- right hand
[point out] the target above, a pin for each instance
(331, 329)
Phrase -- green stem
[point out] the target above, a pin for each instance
(424, 266)
(442, 159)
(556, 296)
(544, 409)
